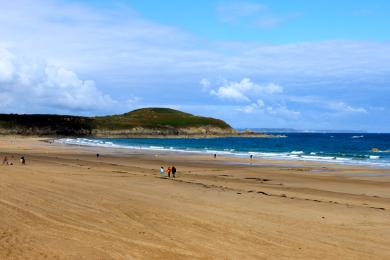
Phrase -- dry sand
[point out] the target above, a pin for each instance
(66, 204)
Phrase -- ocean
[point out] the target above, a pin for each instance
(358, 149)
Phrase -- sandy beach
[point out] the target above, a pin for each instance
(67, 204)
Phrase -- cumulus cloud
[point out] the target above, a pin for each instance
(246, 91)
(62, 87)
(44, 85)
(241, 90)
(259, 104)
(229, 93)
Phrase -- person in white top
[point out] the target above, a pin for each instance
(162, 171)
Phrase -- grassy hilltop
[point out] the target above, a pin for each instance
(156, 118)
(146, 121)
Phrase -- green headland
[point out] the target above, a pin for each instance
(143, 122)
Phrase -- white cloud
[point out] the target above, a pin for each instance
(32, 85)
(278, 110)
(272, 88)
(343, 107)
(241, 90)
(6, 66)
(248, 91)
(205, 83)
(63, 88)
(258, 105)
(229, 93)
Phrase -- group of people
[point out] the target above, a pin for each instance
(170, 169)
(7, 162)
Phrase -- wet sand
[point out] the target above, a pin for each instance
(67, 204)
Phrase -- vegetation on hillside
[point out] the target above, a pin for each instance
(147, 118)
(157, 118)
(50, 124)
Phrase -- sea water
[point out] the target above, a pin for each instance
(364, 149)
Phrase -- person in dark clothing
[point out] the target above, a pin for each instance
(22, 160)
(97, 156)
(173, 171)
(5, 160)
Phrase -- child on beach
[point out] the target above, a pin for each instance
(169, 171)
(22, 160)
(162, 171)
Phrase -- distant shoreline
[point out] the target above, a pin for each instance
(179, 136)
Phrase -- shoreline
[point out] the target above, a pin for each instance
(272, 156)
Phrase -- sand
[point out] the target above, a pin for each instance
(67, 204)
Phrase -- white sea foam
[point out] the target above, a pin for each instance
(297, 152)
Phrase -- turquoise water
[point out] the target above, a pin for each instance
(327, 147)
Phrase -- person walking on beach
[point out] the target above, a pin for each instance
(173, 171)
(162, 171)
(22, 160)
(97, 156)
(5, 160)
(169, 171)
(215, 156)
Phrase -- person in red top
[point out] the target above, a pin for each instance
(169, 171)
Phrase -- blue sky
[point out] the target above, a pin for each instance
(296, 64)
(281, 21)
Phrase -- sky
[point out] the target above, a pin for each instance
(299, 64)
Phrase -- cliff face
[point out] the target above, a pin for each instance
(148, 122)
(165, 132)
